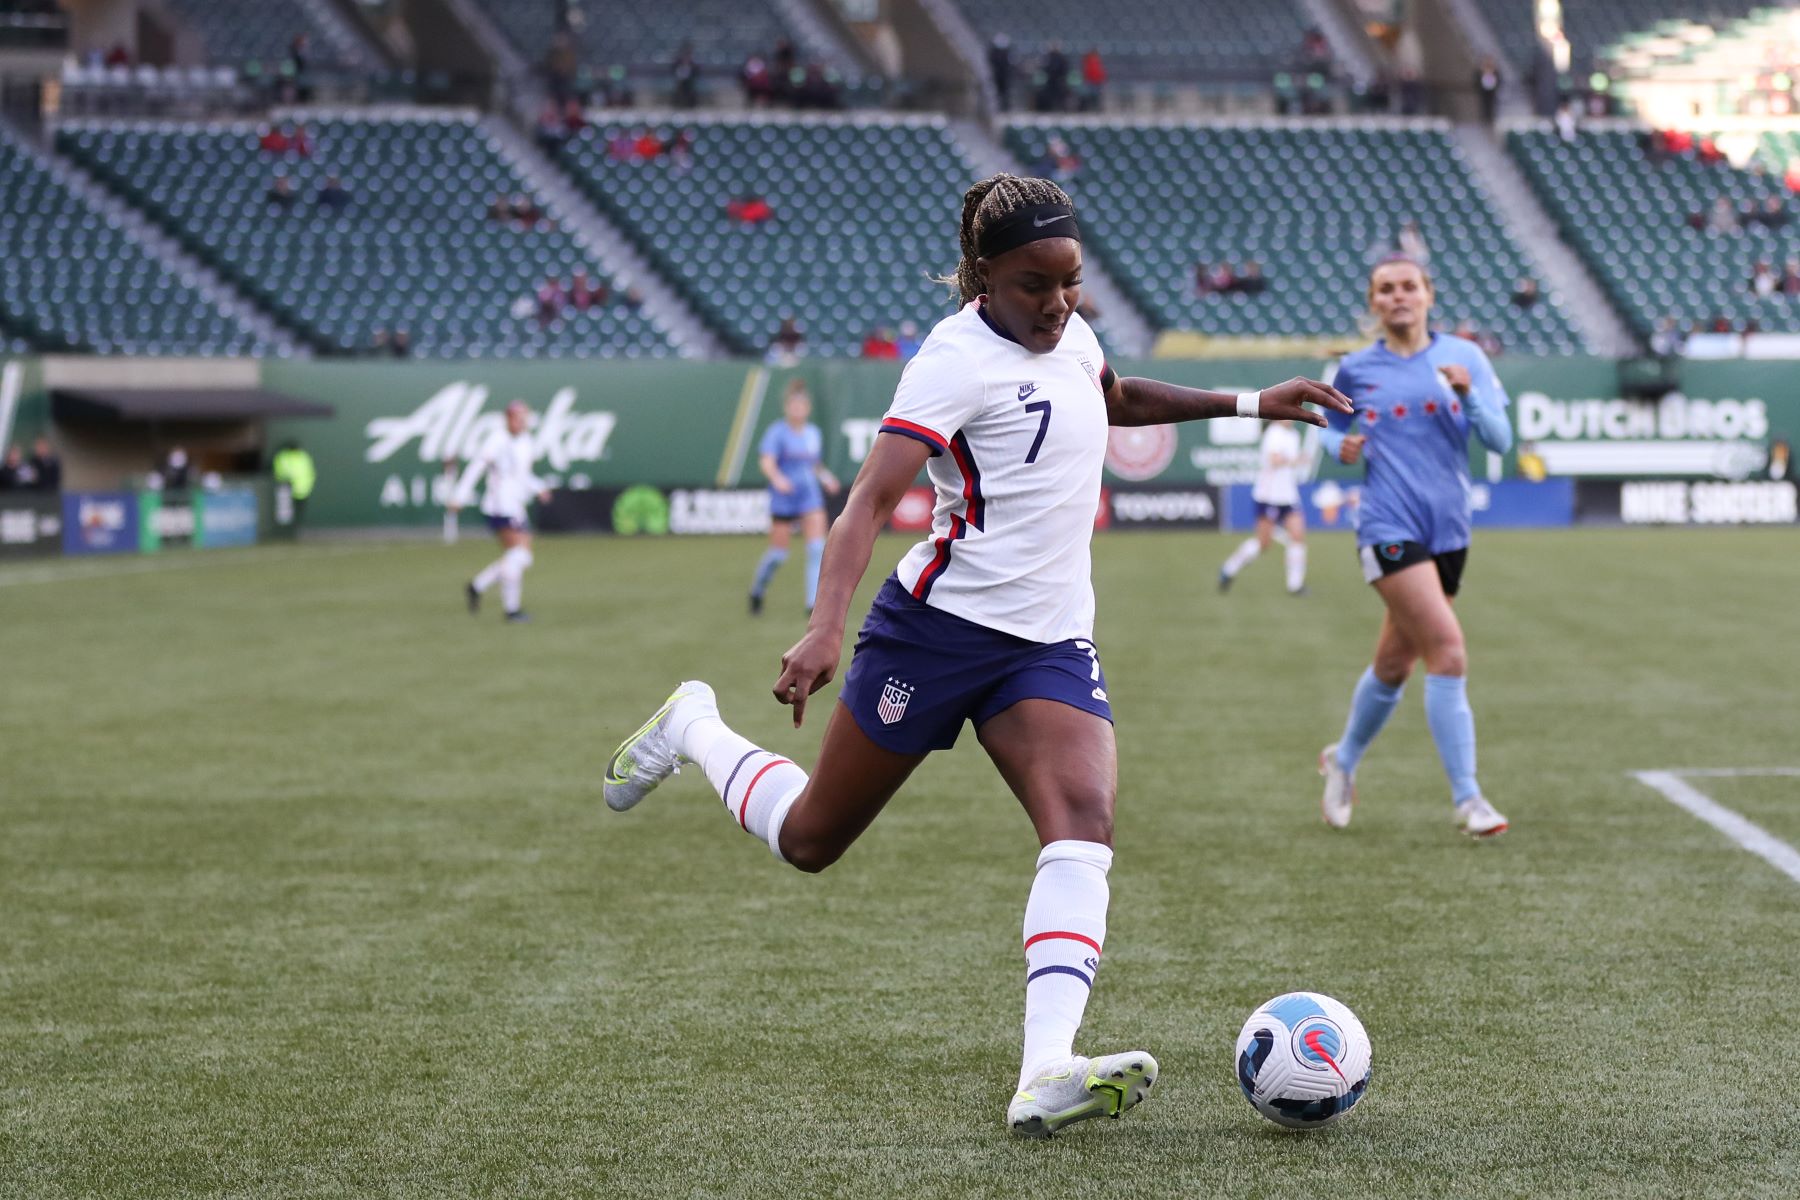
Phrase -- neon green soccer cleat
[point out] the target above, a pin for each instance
(1077, 1089)
(650, 755)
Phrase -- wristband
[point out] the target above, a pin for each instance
(1249, 404)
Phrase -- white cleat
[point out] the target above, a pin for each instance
(650, 755)
(1340, 788)
(1479, 819)
(1078, 1088)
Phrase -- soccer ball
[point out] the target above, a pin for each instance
(1303, 1060)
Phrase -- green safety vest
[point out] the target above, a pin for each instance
(295, 468)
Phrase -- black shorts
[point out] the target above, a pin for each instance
(1384, 558)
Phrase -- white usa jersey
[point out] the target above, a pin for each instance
(1278, 482)
(511, 484)
(1018, 442)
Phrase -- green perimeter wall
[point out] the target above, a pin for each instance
(613, 424)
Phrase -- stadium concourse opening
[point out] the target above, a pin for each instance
(112, 434)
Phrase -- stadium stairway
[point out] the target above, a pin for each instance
(235, 33)
(1560, 270)
(212, 286)
(811, 27)
(520, 81)
(1127, 330)
(595, 233)
(953, 26)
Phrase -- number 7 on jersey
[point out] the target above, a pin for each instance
(1039, 406)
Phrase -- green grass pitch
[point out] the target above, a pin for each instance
(306, 889)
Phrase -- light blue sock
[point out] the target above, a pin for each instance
(1452, 724)
(765, 570)
(815, 553)
(1371, 705)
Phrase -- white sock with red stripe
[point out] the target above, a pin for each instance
(757, 786)
(1065, 926)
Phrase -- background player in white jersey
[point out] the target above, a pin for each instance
(511, 485)
(1276, 494)
(989, 620)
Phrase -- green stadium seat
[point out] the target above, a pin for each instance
(1312, 204)
(415, 249)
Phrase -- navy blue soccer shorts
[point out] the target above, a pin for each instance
(919, 672)
(1275, 512)
(501, 524)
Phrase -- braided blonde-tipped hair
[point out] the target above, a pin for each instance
(994, 199)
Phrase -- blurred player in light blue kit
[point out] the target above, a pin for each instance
(791, 459)
(1418, 396)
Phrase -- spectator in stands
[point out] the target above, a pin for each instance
(880, 343)
(1772, 215)
(1487, 87)
(648, 146)
(1724, 218)
(378, 341)
(526, 214)
(909, 340)
(333, 195)
(681, 151)
(1053, 92)
(817, 90)
(686, 72)
(632, 298)
(1222, 279)
(561, 63)
(574, 116)
(118, 56)
(15, 472)
(1525, 292)
(585, 294)
(749, 209)
(551, 129)
(1202, 278)
(281, 194)
(1763, 282)
(175, 469)
(784, 66)
(1566, 126)
(1058, 161)
(274, 140)
(1790, 278)
(1251, 281)
(759, 89)
(47, 464)
(1000, 68)
(787, 346)
(1315, 50)
(500, 210)
(400, 345)
(550, 300)
(1667, 340)
(1790, 178)
(1411, 242)
(1093, 80)
(1708, 152)
(299, 142)
(299, 53)
(1466, 330)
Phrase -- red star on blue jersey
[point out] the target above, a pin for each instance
(1399, 412)
(1431, 408)
(1455, 407)
(1371, 416)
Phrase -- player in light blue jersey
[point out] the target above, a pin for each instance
(791, 456)
(1417, 395)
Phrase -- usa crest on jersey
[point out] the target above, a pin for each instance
(892, 705)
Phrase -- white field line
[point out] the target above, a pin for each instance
(1745, 833)
(179, 560)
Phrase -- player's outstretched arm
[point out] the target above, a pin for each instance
(890, 469)
(1137, 401)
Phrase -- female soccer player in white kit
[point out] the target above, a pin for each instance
(511, 484)
(989, 620)
(1276, 494)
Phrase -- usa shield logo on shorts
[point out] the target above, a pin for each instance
(892, 706)
(1392, 551)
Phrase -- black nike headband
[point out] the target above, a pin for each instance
(1030, 224)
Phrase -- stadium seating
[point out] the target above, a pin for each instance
(1151, 39)
(71, 281)
(415, 248)
(1594, 27)
(863, 211)
(1629, 216)
(723, 33)
(236, 34)
(1313, 204)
